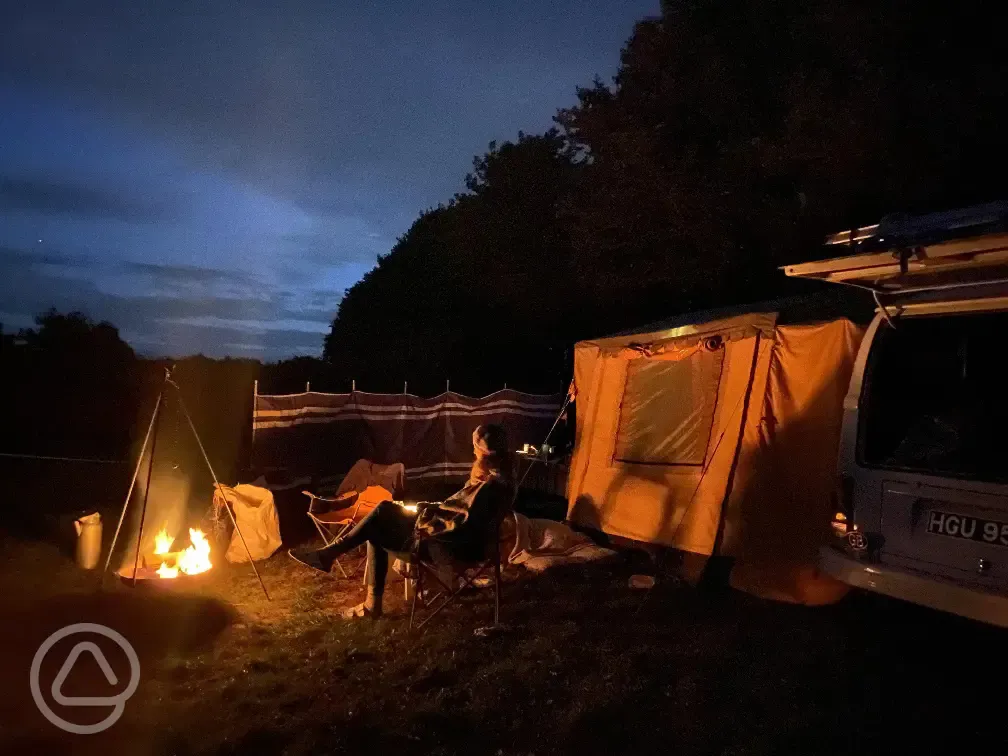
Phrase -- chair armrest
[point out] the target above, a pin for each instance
(331, 499)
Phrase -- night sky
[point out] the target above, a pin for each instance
(210, 177)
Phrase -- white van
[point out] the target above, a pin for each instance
(922, 509)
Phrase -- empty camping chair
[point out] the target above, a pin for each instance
(474, 552)
(365, 473)
(363, 488)
(333, 516)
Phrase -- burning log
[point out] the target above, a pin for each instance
(164, 571)
(166, 564)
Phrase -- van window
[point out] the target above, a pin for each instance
(668, 409)
(935, 398)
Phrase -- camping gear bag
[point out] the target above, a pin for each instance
(256, 516)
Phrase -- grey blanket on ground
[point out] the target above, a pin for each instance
(542, 544)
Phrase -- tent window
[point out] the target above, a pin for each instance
(668, 410)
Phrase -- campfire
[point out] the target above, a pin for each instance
(166, 564)
(191, 561)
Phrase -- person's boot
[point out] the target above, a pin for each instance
(317, 559)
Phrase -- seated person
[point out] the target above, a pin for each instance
(445, 525)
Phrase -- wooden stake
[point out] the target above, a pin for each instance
(255, 403)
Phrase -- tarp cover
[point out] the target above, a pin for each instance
(315, 433)
(257, 519)
(733, 449)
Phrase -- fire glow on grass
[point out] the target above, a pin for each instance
(194, 560)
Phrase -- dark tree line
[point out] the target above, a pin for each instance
(735, 135)
(73, 388)
(62, 383)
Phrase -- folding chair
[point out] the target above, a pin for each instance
(332, 523)
(470, 562)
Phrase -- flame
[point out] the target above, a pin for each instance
(163, 542)
(164, 571)
(196, 558)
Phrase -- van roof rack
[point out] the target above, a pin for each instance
(901, 230)
(903, 254)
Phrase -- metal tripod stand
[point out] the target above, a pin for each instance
(151, 438)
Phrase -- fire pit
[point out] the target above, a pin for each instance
(163, 564)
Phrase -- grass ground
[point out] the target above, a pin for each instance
(584, 665)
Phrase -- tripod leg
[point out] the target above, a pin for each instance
(129, 493)
(150, 475)
(227, 504)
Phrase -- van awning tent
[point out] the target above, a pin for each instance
(716, 437)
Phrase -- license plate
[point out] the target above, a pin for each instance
(993, 532)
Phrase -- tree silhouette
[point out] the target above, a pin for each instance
(72, 385)
(476, 281)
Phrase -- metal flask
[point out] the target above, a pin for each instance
(89, 540)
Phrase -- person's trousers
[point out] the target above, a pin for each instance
(388, 527)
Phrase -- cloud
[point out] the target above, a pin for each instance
(176, 340)
(39, 195)
(186, 274)
(346, 241)
(12, 258)
(250, 326)
(361, 107)
(278, 323)
(252, 159)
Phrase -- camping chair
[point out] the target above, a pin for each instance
(366, 473)
(370, 483)
(332, 523)
(470, 562)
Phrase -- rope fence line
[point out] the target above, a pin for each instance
(49, 458)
